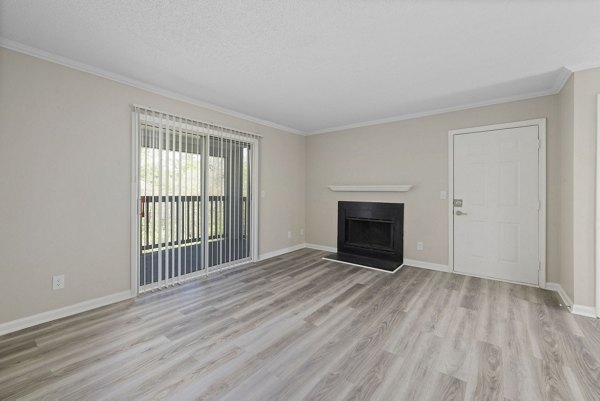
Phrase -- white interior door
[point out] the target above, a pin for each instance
(496, 229)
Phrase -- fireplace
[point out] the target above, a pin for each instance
(370, 234)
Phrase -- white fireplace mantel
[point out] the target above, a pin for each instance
(370, 188)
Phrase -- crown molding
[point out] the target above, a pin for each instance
(583, 66)
(553, 90)
(562, 78)
(67, 62)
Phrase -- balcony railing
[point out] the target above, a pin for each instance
(178, 220)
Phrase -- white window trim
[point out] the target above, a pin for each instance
(204, 129)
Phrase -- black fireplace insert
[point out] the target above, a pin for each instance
(370, 234)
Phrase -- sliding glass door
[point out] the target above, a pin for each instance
(228, 193)
(194, 201)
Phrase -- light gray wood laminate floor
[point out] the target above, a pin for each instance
(296, 327)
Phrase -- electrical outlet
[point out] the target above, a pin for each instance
(301, 232)
(58, 282)
(289, 234)
(419, 246)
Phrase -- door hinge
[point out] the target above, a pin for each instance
(539, 144)
(539, 204)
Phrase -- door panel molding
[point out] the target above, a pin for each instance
(541, 124)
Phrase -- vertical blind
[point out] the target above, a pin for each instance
(195, 203)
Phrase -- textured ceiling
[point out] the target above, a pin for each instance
(314, 65)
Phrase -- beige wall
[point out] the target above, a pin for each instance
(577, 109)
(566, 116)
(586, 90)
(416, 152)
(65, 157)
(65, 161)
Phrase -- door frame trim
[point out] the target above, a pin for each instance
(598, 207)
(134, 207)
(541, 124)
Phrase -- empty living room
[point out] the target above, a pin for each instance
(300, 200)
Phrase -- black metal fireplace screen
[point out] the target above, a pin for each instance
(371, 229)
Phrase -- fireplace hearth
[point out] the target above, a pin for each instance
(370, 234)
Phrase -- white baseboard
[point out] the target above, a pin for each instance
(426, 265)
(583, 310)
(563, 295)
(407, 262)
(55, 314)
(84, 306)
(278, 252)
(322, 247)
